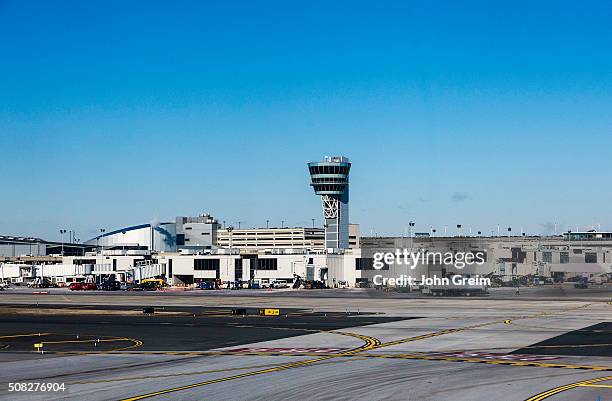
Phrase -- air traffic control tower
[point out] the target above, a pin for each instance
(330, 180)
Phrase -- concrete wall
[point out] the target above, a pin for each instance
(199, 235)
(287, 266)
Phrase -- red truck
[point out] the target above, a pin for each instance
(76, 286)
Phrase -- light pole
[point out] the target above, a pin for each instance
(102, 231)
(509, 231)
(62, 232)
(459, 229)
(229, 230)
(267, 224)
(123, 242)
(411, 225)
(282, 223)
(313, 223)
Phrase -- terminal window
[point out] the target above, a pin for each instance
(206, 264)
(367, 264)
(590, 257)
(267, 264)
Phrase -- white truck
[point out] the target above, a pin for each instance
(277, 283)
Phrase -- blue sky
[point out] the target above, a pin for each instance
(479, 113)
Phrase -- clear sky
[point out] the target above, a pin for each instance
(476, 113)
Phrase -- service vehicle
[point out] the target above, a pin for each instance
(279, 284)
(146, 286)
(583, 283)
(110, 285)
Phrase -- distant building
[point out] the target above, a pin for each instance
(587, 235)
(279, 240)
(262, 239)
(158, 237)
(197, 233)
(16, 247)
(354, 236)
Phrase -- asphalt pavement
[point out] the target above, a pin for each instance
(322, 349)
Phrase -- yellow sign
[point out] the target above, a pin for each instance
(271, 312)
(38, 345)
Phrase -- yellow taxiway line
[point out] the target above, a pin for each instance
(369, 343)
(560, 389)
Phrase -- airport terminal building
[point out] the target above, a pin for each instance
(506, 258)
(189, 250)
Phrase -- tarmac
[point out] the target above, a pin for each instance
(343, 345)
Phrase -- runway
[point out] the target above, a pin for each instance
(394, 349)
